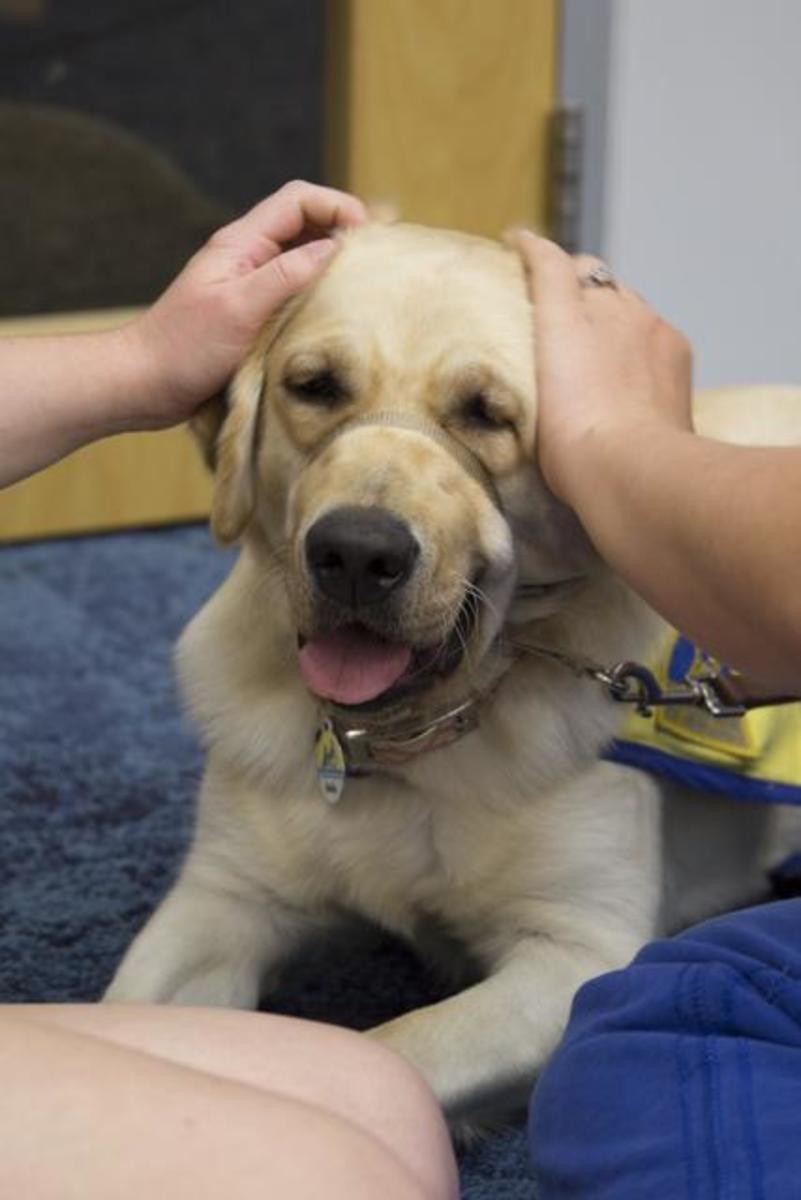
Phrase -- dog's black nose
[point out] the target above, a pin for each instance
(359, 555)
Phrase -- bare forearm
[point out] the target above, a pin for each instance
(709, 533)
(57, 393)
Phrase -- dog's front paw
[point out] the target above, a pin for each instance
(206, 946)
(416, 1036)
(179, 958)
(212, 987)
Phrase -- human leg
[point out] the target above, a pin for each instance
(81, 1112)
(680, 1075)
(332, 1068)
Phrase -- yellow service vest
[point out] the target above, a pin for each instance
(755, 757)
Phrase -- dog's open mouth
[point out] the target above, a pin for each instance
(354, 666)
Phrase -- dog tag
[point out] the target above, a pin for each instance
(329, 759)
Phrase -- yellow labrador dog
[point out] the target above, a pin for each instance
(382, 739)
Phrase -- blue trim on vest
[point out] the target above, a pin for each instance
(701, 775)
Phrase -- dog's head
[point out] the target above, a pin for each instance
(379, 447)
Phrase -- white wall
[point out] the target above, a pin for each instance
(702, 177)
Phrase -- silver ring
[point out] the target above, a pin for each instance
(599, 276)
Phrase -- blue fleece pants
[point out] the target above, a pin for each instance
(679, 1078)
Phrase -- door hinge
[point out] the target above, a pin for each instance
(565, 178)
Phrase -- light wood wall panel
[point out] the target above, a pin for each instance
(440, 107)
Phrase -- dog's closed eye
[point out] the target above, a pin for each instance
(323, 388)
(477, 411)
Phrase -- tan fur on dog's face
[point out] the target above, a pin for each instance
(430, 324)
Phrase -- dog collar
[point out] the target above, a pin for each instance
(346, 747)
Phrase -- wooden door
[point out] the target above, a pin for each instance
(440, 107)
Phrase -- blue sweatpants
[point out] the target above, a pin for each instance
(679, 1078)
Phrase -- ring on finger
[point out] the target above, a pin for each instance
(599, 276)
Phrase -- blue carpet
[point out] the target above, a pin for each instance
(97, 776)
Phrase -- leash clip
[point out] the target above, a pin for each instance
(632, 683)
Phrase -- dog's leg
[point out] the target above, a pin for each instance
(209, 943)
(581, 898)
(226, 923)
(481, 1049)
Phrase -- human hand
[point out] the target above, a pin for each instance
(608, 367)
(194, 337)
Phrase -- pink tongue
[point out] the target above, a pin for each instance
(352, 665)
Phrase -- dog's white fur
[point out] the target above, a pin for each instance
(545, 865)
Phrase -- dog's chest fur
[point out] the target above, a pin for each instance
(388, 851)
(463, 836)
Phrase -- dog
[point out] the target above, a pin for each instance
(387, 683)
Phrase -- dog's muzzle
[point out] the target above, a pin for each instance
(359, 555)
(359, 559)
(467, 460)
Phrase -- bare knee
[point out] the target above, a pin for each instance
(391, 1100)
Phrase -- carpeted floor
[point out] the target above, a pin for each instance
(97, 776)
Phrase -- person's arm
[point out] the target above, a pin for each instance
(707, 532)
(57, 393)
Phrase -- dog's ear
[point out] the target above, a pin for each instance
(226, 428)
(205, 424)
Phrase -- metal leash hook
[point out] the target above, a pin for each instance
(721, 691)
(632, 683)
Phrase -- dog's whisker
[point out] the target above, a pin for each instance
(272, 575)
(481, 596)
(282, 556)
